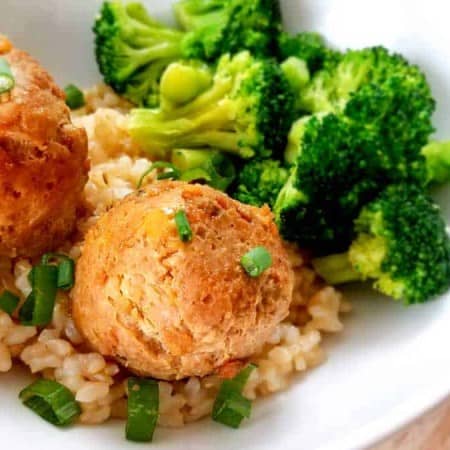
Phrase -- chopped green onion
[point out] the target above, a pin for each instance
(173, 172)
(66, 269)
(230, 406)
(38, 307)
(183, 226)
(7, 80)
(52, 401)
(256, 261)
(74, 97)
(143, 409)
(8, 302)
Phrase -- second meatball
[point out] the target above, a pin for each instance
(172, 309)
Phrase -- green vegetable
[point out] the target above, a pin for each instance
(228, 26)
(230, 406)
(66, 269)
(133, 49)
(259, 182)
(378, 90)
(52, 401)
(307, 46)
(437, 157)
(38, 307)
(172, 172)
(7, 80)
(74, 97)
(183, 226)
(401, 244)
(211, 166)
(143, 409)
(8, 302)
(196, 78)
(296, 72)
(256, 261)
(247, 111)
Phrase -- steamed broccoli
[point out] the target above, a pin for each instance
(307, 46)
(246, 111)
(228, 26)
(337, 168)
(401, 243)
(379, 90)
(437, 156)
(260, 181)
(133, 49)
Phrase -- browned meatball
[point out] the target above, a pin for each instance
(170, 309)
(43, 166)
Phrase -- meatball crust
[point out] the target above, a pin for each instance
(171, 309)
(43, 162)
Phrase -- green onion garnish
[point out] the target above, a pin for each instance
(172, 173)
(8, 302)
(66, 269)
(7, 80)
(183, 226)
(256, 261)
(143, 409)
(74, 97)
(230, 406)
(38, 307)
(52, 401)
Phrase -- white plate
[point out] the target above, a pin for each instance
(389, 365)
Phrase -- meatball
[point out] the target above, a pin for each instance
(171, 309)
(43, 161)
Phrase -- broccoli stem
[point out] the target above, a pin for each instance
(336, 269)
(185, 159)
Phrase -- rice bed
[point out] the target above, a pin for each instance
(58, 352)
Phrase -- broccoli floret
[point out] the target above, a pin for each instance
(246, 111)
(209, 166)
(229, 26)
(308, 46)
(379, 90)
(437, 156)
(259, 182)
(133, 49)
(401, 243)
(338, 167)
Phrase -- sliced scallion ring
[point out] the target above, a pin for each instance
(8, 302)
(172, 173)
(52, 401)
(74, 97)
(230, 406)
(7, 80)
(256, 261)
(183, 226)
(143, 409)
(66, 269)
(38, 307)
